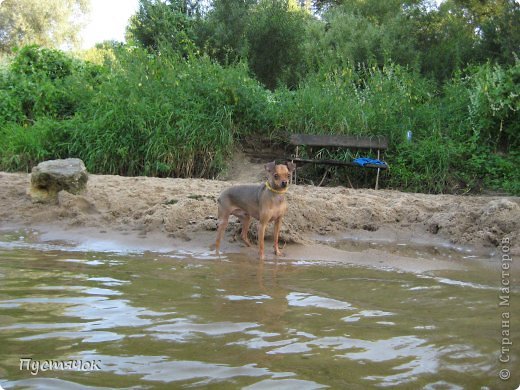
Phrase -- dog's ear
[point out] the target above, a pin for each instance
(269, 167)
(291, 166)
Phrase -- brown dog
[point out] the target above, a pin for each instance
(265, 202)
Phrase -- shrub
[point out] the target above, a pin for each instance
(275, 36)
(36, 60)
(368, 101)
(163, 116)
(494, 107)
(44, 83)
(24, 146)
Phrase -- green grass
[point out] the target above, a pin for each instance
(163, 115)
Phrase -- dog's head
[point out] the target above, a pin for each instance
(279, 175)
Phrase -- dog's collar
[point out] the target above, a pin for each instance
(280, 192)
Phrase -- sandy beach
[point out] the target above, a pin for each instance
(163, 213)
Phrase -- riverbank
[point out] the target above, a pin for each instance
(184, 210)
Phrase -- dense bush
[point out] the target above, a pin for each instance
(193, 84)
(44, 83)
(457, 131)
(161, 24)
(366, 101)
(40, 89)
(494, 106)
(275, 37)
(153, 115)
(162, 115)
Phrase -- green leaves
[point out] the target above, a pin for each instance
(164, 24)
(275, 36)
(495, 105)
(50, 23)
(162, 115)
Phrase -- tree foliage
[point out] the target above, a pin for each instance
(159, 23)
(223, 33)
(205, 78)
(369, 32)
(282, 41)
(275, 37)
(49, 23)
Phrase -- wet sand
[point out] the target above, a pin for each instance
(364, 227)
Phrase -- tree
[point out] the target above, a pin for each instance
(445, 40)
(499, 31)
(362, 32)
(222, 34)
(275, 36)
(49, 23)
(461, 32)
(170, 23)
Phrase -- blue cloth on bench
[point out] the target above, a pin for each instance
(362, 161)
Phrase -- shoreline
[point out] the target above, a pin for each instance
(176, 213)
(407, 258)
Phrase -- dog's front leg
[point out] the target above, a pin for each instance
(262, 225)
(277, 227)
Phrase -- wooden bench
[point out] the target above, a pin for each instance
(354, 142)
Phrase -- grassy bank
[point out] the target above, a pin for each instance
(163, 114)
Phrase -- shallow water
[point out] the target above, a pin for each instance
(180, 319)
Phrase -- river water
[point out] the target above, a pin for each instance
(190, 320)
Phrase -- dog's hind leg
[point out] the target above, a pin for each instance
(223, 219)
(246, 220)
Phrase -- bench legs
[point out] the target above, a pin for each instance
(296, 170)
(296, 178)
(377, 176)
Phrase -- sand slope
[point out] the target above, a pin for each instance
(183, 208)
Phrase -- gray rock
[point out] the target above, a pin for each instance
(50, 177)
